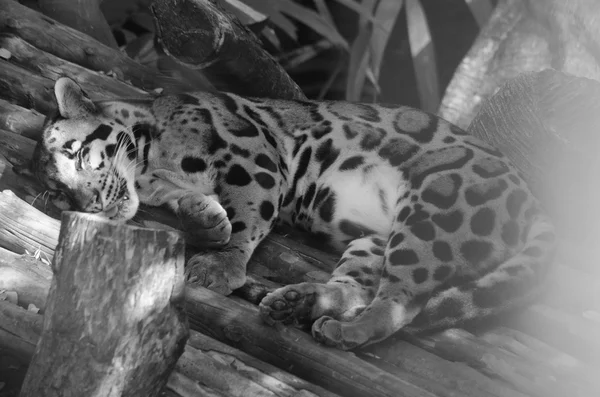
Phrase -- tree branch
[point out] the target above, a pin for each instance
(201, 35)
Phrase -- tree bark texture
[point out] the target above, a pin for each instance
(234, 373)
(524, 36)
(202, 35)
(82, 15)
(547, 124)
(114, 324)
(27, 275)
(73, 46)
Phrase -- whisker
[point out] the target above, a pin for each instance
(36, 197)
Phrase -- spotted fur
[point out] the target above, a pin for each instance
(434, 226)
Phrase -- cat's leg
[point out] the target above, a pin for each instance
(252, 207)
(352, 286)
(203, 219)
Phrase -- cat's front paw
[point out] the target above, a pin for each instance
(204, 220)
(214, 273)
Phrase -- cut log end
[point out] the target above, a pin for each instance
(110, 311)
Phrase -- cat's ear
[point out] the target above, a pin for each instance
(72, 101)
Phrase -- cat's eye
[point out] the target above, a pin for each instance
(79, 161)
(96, 198)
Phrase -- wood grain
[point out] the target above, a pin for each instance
(114, 324)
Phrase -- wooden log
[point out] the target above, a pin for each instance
(22, 230)
(338, 371)
(206, 366)
(25, 88)
(15, 148)
(450, 374)
(20, 120)
(23, 227)
(234, 373)
(26, 189)
(71, 45)
(201, 35)
(36, 91)
(576, 335)
(28, 276)
(98, 85)
(311, 357)
(522, 372)
(82, 15)
(14, 345)
(113, 323)
(21, 322)
(275, 380)
(180, 385)
(583, 376)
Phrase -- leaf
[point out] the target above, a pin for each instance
(481, 10)
(276, 8)
(359, 57)
(142, 49)
(274, 14)
(246, 14)
(365, 11)
(324, 11)
(423, 56)
(300, 55)
(327, 86)
(314, 21)
(386, 15)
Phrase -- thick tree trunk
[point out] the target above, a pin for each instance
(201, 35)
(524, 36)
(114, 324)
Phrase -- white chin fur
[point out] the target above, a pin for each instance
(124, 211)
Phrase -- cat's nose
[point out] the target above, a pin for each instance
(90, 201)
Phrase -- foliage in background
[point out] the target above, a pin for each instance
(300, 31)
